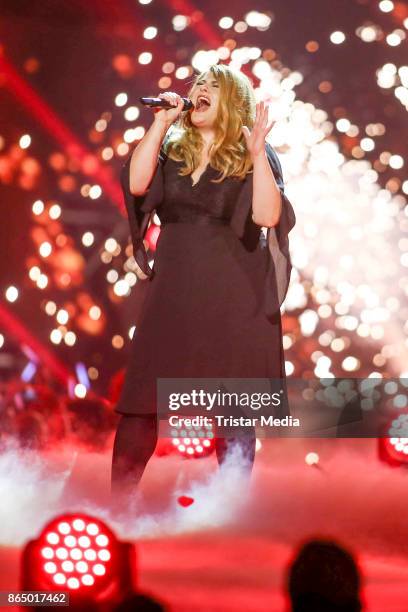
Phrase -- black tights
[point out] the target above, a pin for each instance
(136, 439)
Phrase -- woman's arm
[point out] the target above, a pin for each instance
(266, 198)
(143, 162)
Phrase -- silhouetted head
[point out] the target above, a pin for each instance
(324, 578)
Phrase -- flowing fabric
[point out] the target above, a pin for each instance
(140, 209)
(211, 307)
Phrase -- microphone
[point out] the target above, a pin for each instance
(160, 103)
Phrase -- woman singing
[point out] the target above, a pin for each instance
(212, 306)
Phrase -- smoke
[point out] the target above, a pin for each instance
(350, 495)
(29, 492)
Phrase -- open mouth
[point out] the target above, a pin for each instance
(202, 104)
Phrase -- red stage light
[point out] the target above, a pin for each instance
(67, 536)
(193, 442)
(79, 554)
(393, 447)
(190, 442)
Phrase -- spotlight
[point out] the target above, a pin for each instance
(189, 441)
(393, 447)
(193, 442)
(79, 554)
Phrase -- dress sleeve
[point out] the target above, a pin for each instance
(279, 265)
(139, 208)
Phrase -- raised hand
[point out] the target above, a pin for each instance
(255, 138)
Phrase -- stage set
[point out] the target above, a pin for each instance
(321, 522)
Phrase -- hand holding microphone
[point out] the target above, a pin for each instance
(175, 105)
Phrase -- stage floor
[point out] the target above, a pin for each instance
(230, 548)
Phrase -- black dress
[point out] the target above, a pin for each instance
(208, 310)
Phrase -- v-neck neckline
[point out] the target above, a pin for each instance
(200, 177)
(206, 169)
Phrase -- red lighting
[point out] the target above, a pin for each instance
(393, 447)
(57, 548)
(192, 442)
(152, 235)
(79, 554)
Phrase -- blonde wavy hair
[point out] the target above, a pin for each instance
(228, 154)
